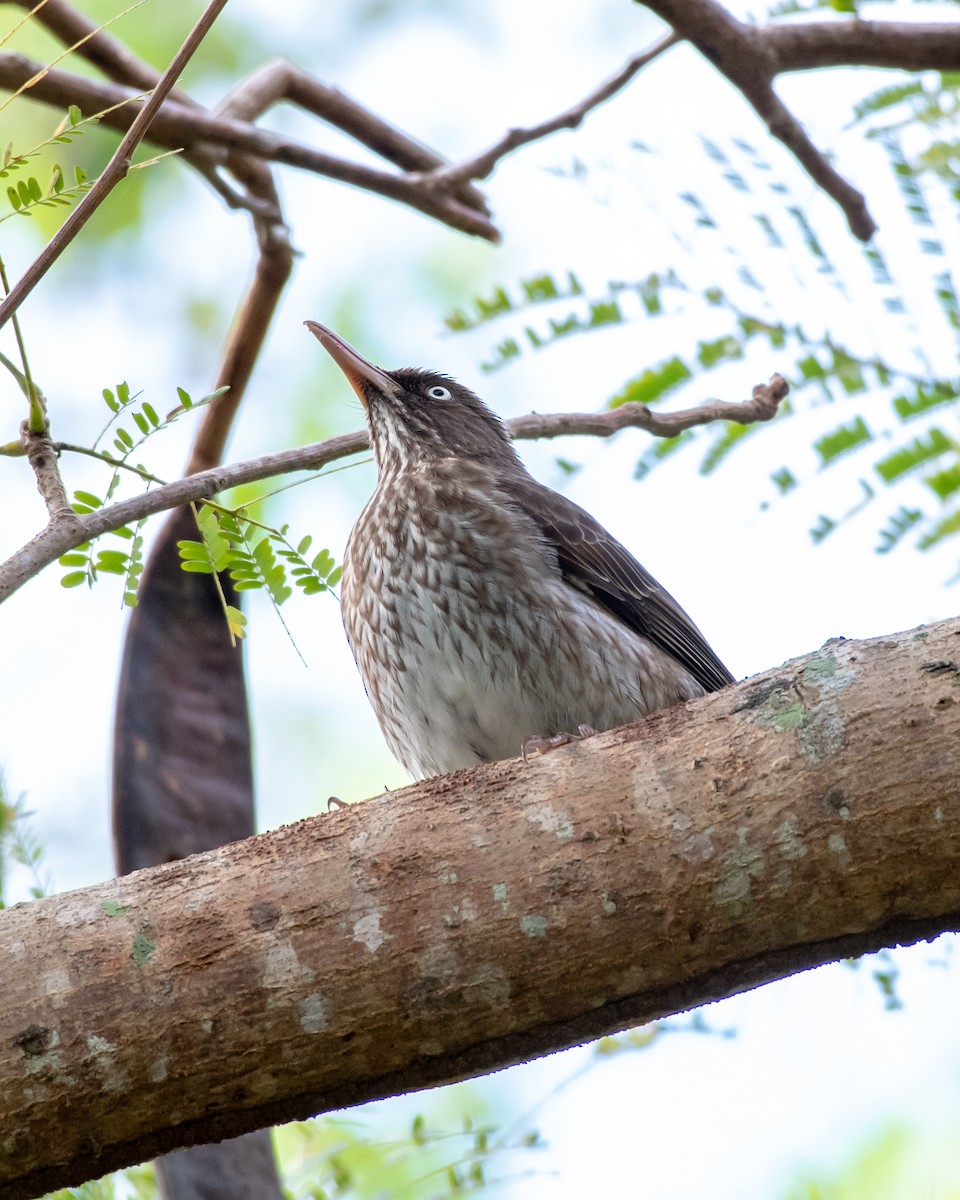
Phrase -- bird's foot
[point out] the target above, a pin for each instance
(543, 745)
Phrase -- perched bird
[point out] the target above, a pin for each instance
(487, 613)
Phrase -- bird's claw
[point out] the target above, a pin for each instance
(543, 745)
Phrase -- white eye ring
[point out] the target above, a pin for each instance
(438, 393)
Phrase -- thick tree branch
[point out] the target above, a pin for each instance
(58, 538)
(895, 45)
(483, 918)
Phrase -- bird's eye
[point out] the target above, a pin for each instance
(438, 393)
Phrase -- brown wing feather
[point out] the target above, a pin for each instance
(594, 560)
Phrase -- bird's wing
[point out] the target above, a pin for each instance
(594, 561)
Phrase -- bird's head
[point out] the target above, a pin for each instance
(413, 414)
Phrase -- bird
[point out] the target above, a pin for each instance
(488, 614)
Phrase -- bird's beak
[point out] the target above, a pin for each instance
(363, 376)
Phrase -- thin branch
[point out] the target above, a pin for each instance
(283, 81)
(178, 126)
(274, 265)
(89, 31)
(483, 164)
(109, 55)
(55, 540)
(100, 48)
(749, 56)
(115, 170)
(764, 406)
(36, 405)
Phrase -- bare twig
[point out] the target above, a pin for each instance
(47, 546)
(282, 80)
(178, 126)
(100, 48)
(750, 56)
(274, 265)
(764, 406)
(115, 170)
(483, 164)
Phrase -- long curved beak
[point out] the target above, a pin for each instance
(362, 375)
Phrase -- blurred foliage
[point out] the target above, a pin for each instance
(147, 29)
(907, 410)
(19, 845)
(900, 1163)
(138, 1183)
(885, 973)
(330, 1158)
(894, 436)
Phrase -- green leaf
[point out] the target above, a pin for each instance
(14, 198)
(110, 567)
(655, 383)
(74, 115)
(73, 559)
(88, 498)
(74, 579)
(323, 563)
(236, 621)
(842, 440)
(192, 551)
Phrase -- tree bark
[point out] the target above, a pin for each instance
(483, 918)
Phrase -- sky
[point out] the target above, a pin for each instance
(817, 1065)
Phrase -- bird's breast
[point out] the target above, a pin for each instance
(466, 635)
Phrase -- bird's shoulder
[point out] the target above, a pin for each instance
(593, 560)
